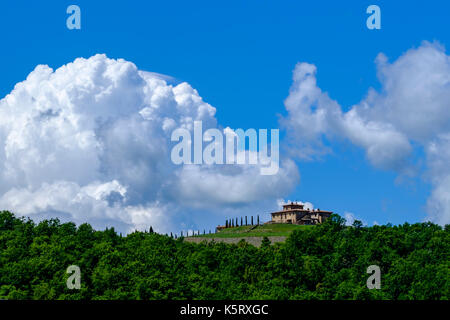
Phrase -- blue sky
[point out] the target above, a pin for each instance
(240, 56)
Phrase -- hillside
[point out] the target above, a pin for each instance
(266, 230)
(327, 261)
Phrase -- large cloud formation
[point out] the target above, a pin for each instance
(412, 110)
(90, 142)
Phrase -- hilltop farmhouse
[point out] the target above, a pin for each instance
(292, 213)
(296, 213)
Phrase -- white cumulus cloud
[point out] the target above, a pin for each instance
(90, 142)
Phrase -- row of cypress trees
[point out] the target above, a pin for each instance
(230, 223)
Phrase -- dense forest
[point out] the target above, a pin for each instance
(328, 261)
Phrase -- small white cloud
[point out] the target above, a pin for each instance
(350, 219)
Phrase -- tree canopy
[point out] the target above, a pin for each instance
(328, 261)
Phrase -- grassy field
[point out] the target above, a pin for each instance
(267, 230)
